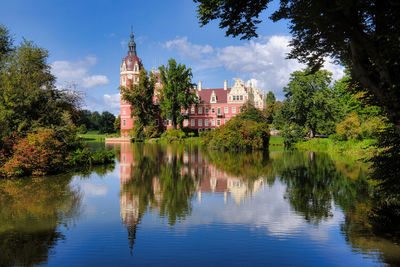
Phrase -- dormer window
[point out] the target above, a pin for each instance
(213, 99)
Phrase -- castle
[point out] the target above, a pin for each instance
(216, 107)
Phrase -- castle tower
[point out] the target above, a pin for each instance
(129, 73)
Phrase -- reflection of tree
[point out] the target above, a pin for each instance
(314, 182)
(178, 190)
(30, 212)
(156, 181)
(361, 234)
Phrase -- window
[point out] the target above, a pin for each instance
(206, 111)
(212, 123)
(233, 109)
(123, 123)
(218, 122)
(241, 97)
(200, 122)
(136, 79)
(219, 111)
(225, 121)
(123, 111)
(193, 110)
(124, 79)
(212, 110)
(192, 122)
(157, 102)
(226, 110)
(234, 98)
(213, 99)
(206, 122)
(200, 110)
(185, 123)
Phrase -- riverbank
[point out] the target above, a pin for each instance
(359, 149)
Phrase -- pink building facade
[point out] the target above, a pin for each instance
(217, 105)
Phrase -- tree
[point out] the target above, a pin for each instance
(28, 96)
(107, 123)
(140, 96)
(177, 92)
(95, 119)
(310, 103)
(117, 124)
(364, 35)
(270, 108)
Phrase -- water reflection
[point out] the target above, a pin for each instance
(31, 211)
(317, 192)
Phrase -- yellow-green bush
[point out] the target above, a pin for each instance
(349, 128)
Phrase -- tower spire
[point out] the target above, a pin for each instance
(132, 44)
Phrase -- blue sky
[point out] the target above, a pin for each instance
(87, 40)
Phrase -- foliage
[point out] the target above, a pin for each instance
(94, 121)
(36, 154)
(247, 131)
(238, 134)
(140, 96)
(28, 96)
(177, 92)
(270, 109)
(386, 169)
(310, 106)
(117, 124)
(107, 123)
(365, 38)
(249, 112)
(350, 128)
(174, 135)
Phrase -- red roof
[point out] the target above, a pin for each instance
(130, 62)
(220, 93)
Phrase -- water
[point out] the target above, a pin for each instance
(174, 205)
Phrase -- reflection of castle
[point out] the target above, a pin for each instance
(192, 165)
(215, 180)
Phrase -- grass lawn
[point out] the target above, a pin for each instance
(276, 141)
(93, 136)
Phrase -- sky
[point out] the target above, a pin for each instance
(87, 41)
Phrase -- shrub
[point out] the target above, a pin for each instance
(293, 134)
(371, 127)
(350, 128)
(36, 154)
(173, 135)
(238, 135)
(103, 156)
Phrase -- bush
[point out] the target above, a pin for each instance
(36, 154)
(238, 135)
(371, 127)
(350, 128)
(103, 157)
(293, 134)
(173, 135)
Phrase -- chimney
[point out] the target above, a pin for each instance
(226, 85)
(200, 86)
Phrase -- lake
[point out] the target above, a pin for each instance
(176, 205)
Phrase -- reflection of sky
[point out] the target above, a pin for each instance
(262, 230)
(266, 210)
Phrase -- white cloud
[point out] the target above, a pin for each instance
(94, 80)
(263, 61)
(187, 49)
(78, 72)
(112, 101)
